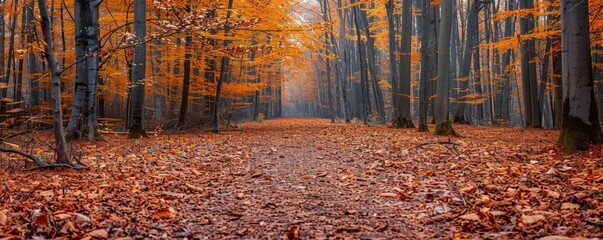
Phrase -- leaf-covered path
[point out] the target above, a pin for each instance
(313, 179)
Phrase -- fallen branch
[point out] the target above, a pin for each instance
(39, 163)
(34, 158)
(439, 142)
(57, 165)
(449, 142)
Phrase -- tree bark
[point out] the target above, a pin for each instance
(580, 121)
(223, 67)
(55, 72)
(443, 125)
(136, 123)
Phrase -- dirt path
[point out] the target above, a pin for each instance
(315, 180)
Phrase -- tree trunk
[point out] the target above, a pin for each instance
(55, 72)
(443, 125)
(223, 67)
(186, 81)
(136, 123)
(404, 119)
(31, 57)
(528, 68)
(580, 121)
(471, 40)
(425, 65)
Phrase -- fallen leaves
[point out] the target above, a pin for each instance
(165, 213)
(470, 217)
(569, 206)
(366, 182)
(99, 233)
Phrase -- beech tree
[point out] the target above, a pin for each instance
(580, 120)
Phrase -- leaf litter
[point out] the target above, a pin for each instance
(306, 178)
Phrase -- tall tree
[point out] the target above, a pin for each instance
(404, 119)
(443, 125)
(580, 121)
(528, 67)
(136, 116)
(223, 67)
(83, 117)
(55, 73)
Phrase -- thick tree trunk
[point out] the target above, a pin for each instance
(55, 71)
(136, 122)
(443, 125)
(580, 121)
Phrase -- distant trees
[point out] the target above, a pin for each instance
(241, 60)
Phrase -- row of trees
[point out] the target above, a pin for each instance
(177, 64)
(185, 63)
(463, 61)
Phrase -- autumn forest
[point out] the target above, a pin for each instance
(301, 119)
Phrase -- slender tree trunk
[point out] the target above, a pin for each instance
(136, 126)
(55, 71)
(363, 70)
(31, 57)
(528, 68)
(404, 120)
(470, 46)
(425, 65)
(186, 79)
(223, 67)
(11, 53)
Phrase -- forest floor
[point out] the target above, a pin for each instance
(310, 179)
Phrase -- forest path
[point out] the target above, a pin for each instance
(342, 181)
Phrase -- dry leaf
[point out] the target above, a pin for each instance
(527, 220)
(193, 188)
(293, 233)
(347, 177)
(470, 217)
(388, 195)
(99, 233)
(165, 213)
(3, 218)
(468, 190)
(569, 206)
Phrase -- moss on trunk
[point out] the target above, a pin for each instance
(575, 134)
(445, 129)
(401, 122)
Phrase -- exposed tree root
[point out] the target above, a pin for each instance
(445, 129)
(401, 122)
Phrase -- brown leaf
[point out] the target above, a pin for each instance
(569, 206)
(164, 213)
(293, 233)
(388, 195)
(193, 188)
(3, 218)
(470, 217)
(99, 233)
(527, 220)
